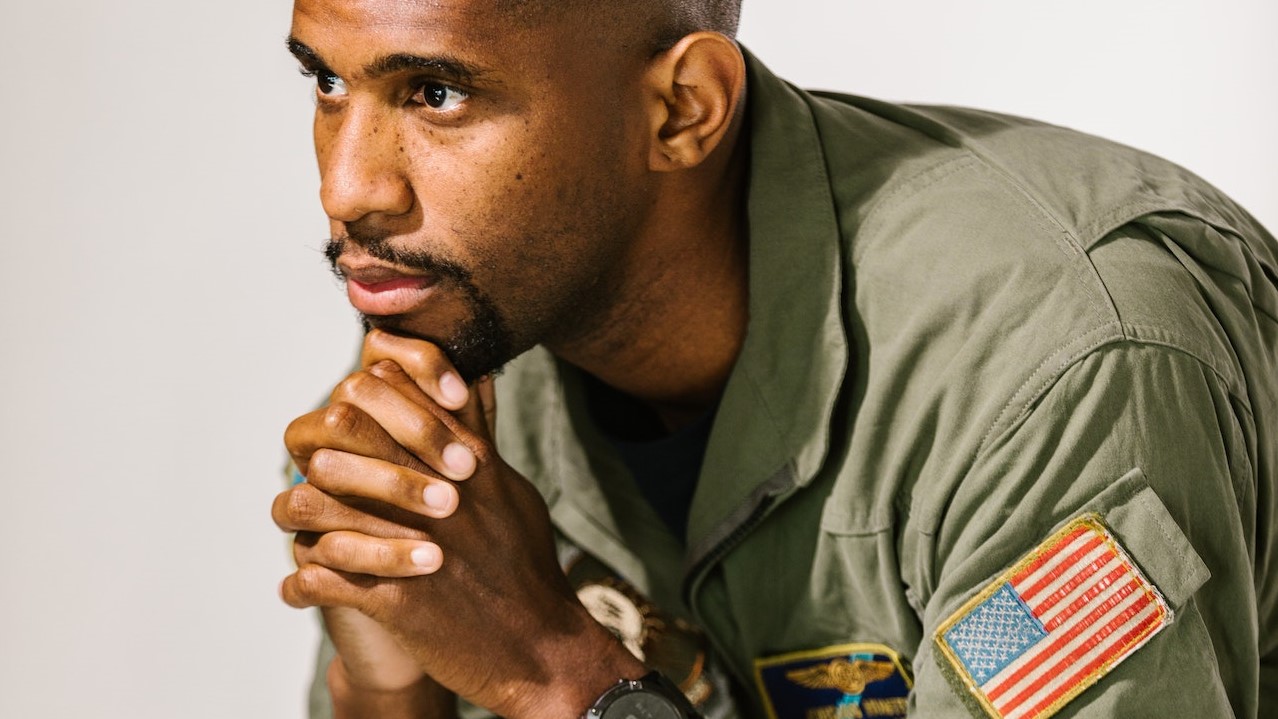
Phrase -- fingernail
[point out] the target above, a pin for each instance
(453, 389)
(459, 460)
(439, 497)
(426, 556)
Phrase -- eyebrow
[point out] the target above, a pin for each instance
(444, 65)
(305, 54)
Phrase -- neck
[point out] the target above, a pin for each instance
(674, 332)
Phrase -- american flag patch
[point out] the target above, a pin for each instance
(1053, 624)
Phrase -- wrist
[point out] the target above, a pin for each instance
(654, 697)
(423, 699)
(576, 675)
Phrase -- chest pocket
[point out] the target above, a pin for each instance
(855, 589)
(820, 574)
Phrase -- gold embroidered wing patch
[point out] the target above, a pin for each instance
(849, 677)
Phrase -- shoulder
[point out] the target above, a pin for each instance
(967, 228)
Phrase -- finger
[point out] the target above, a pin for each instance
(350, 475)
(314, 585)
(345, 427)
(304, 508)
(425, 431)
(468, 424)
(487, 391)
(423, 361)
(362, 554)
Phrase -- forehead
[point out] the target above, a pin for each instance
(485, 30)
(406, 15)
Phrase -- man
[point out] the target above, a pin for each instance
(822, 407)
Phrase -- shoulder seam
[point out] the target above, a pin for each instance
(911, 184)
(1005, 421)
(1042, 378)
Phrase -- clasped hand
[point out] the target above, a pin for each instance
(411, 519)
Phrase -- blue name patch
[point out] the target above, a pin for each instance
(849, 681)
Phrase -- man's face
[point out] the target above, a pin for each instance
(484, 173)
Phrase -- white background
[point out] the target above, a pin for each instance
(165, 310)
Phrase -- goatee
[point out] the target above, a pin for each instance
(478, 345)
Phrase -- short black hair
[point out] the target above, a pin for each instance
(663, 21)
(693, 15)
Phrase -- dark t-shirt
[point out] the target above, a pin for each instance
(665, 465)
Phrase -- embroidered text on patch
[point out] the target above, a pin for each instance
(1053, 624)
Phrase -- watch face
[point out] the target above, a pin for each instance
(642, 705)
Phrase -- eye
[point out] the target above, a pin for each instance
(439, 96)
(326, 83)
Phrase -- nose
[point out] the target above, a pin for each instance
(361, 172)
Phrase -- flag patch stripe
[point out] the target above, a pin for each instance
(1073, 595)
(1094, 561)
(1052, 571)
(1053, 624)
(1028, 573)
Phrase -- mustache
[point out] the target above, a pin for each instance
(377, 244)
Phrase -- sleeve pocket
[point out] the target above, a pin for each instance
(1138, 518)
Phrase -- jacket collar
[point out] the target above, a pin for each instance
(772, 427)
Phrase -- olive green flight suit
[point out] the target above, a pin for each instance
(966, 330)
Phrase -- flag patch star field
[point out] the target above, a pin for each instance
(1053, 624)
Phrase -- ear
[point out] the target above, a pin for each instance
(695, 88)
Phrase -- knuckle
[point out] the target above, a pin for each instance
(340, 418)
(279, 510)
(485, 453)
(354, 386)
(320, 466)
(428, 358)
(293, 433)
(335, 549)
(305, 504)
(308, 582)
(424, 428)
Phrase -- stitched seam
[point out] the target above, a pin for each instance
(1064, 363)
(1071, 249)
(1226, 378)
(913, 184)
(1149, 205)
(1068, 244)
(1177, 251)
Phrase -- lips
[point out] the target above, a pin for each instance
(375, 289)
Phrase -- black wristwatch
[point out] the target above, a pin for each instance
(652, 697)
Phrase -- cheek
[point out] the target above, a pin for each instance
(498, 179)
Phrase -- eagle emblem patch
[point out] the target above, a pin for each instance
(1055, 623)
(849, 681)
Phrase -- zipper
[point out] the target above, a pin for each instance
(695, 576)
(726, 545)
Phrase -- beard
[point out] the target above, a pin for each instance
(478, 345)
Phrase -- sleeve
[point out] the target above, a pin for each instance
(1098, 559)
(319, 703)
